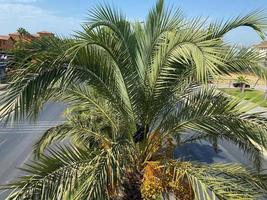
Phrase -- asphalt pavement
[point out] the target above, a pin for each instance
(16, 146)
(204, 152)
(16, 142)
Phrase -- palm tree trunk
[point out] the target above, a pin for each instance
(243, 87)
(230, 83)
(132, 186)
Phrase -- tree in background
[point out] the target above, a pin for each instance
(23, 32)
(24, 37)
(135, 93)
(241, 82)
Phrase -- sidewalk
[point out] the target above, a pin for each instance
(258, 87)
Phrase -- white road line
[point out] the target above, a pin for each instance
(3, 191)
(3, 142)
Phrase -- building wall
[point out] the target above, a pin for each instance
(6, 44)
(43, 34)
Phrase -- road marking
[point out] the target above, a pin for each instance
(29, 128)
(3, 142)
(6, 190)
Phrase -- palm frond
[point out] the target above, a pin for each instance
(54, 176)
(185, 180)
(115, 68)
(224, 181)
(121, 43)
(75, 173)
(255, 20)
(28, 91)
(53, 134)
(208, 114)
(243, 60)
(87, 100)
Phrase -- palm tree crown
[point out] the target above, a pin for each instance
(23, 32)
(242, 79)
(136, 91)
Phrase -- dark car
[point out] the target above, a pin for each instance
(239, 85)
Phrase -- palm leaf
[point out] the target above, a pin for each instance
(209, 114)
(224, 181)
(255, 20)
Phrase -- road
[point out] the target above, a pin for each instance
(228, 152)
(204, 152)
(16, 146)
(16, 142)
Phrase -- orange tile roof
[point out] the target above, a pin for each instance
(44, 32)
(16, 33)
(4, 37)
(35, 35)
(263, 44)
(16, 36)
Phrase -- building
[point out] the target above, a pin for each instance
(262, 47)
(7, 42)
(43, 34)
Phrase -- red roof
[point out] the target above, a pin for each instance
(4, 37)
(46, 32)
(35, 35)
(16, 36)
(263, 44)
(16, 33)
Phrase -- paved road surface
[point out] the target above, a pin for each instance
(228, 152)
(16, 142)
(16, 146)
(204, 152)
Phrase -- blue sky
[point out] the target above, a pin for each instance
(65, 16)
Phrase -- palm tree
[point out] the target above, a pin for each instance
(24, 38)
(135, 93)
(242, 81)
(23, 32)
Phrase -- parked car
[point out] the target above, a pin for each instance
(4, 61)
(239, 85)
